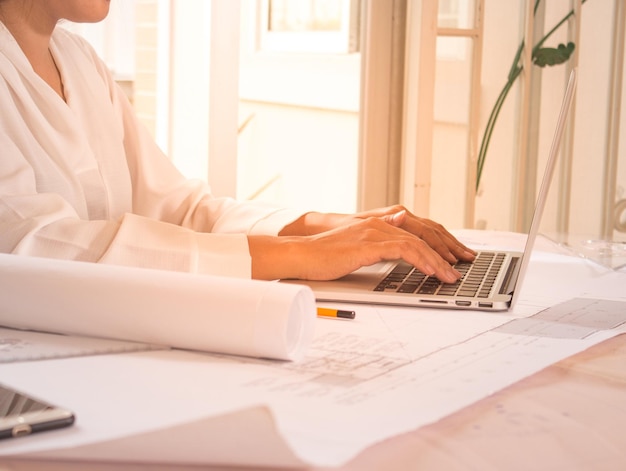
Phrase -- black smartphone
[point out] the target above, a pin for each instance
(22, 414)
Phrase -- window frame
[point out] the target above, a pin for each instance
(344, 41)
(328, 78)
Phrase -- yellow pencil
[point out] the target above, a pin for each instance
(325, 312)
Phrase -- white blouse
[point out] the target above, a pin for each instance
(83, 180)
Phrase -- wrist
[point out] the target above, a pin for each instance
(312, 223)
(276, 258)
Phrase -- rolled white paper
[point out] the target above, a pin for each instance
(180, 310)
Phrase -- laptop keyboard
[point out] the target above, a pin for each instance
(477, 278)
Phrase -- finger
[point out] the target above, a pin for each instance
(395, 219)
(459, 250)
(442, 241)
(433, 233)
(439, 243)
(382, 240)
(438, 268)
(381, 212)
(455, 248)
(422, 256)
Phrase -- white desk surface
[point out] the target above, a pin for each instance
(570, 415)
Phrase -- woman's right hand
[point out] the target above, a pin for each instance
(340, 251)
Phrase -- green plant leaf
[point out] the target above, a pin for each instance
(553, 56)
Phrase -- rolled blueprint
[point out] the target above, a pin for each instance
(181, 310)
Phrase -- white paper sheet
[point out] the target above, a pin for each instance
(26, 345)
(198, 312)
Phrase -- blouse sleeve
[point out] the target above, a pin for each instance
(131, 207)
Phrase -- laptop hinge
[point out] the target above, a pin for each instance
(508, 283)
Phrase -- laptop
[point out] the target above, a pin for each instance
(490, 283)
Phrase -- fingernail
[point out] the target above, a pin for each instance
(454, 274)
(398, 215)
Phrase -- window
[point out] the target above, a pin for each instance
(315, 26)
(454, 14)
(299, 90)
(454, 17)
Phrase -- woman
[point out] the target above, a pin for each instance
(81, 179)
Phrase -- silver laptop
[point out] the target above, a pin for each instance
(492, 282)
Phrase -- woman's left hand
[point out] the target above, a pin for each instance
(431, 232)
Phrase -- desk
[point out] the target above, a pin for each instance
(571, 415)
